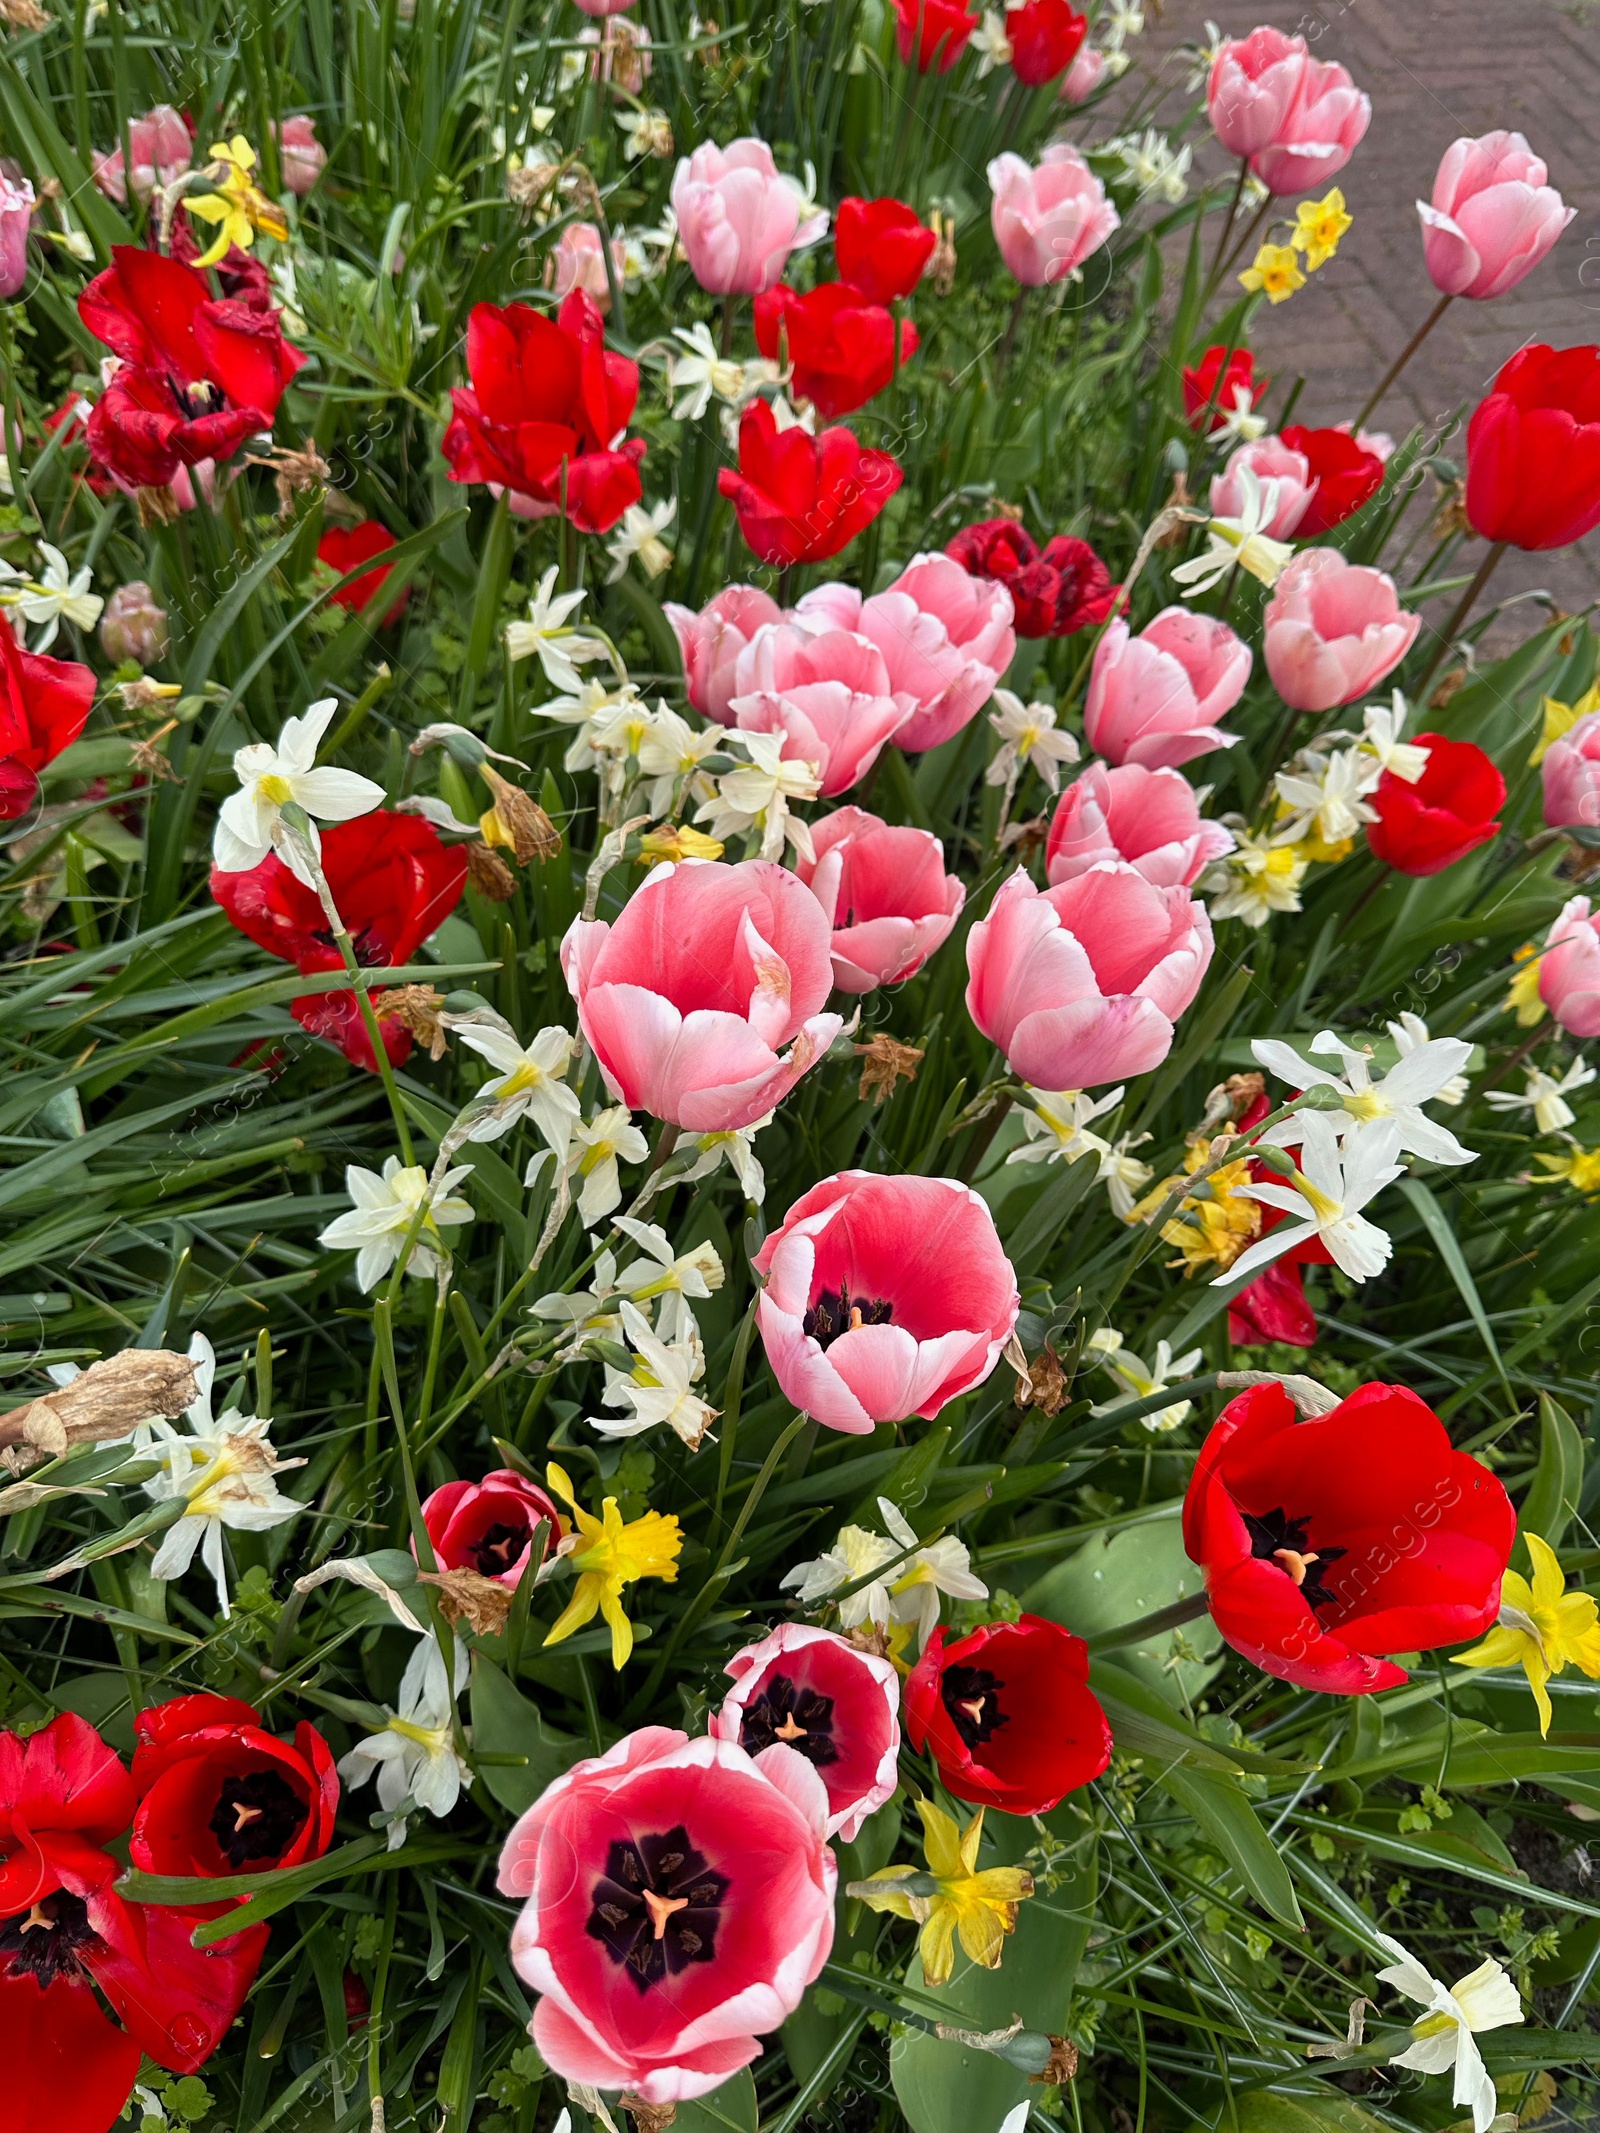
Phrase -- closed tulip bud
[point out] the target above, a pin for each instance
(1492, 219)
(134, 625)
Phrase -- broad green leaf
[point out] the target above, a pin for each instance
(1144, 1723)
(1120, 1577)
(730, 2109)
(1557, 1484)
(1442, 1232)
(1226, 1816)
(504, 1722)
(1263, 2111)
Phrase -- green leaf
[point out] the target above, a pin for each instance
(730, 2109)
(1440, 1228)
(1121, 1577)
(1264, 2111)
(1229, 1820)
(504, 1722)
(1144, 1723)
(1552, 1498)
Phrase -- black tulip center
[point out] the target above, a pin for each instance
(1277, 1538)
(497, 1548)
(257, 1816)
(790, 1712)
(47, 1941)
(972, 1697)
(656, 1906)
(836, 1311)
(370, 952)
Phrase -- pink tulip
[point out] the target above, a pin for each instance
(1048, 219)
(946, 639)
(300, 153)
(579, 262)
(1083, 983)
(1150, 819)
(1252, 88)
(1571, 773)
(738, 221)
(688, 996)
(885, 1297)
(1083, 77)
(1333, 630)
(834, 1704)
(1269, 459)
(602, 8)
(1569, 969)
(16, 214)
(163, 149)
(885, 893)
(1156, 698)
(712, 640)
(827, 691)
(1319, 135)
(1493, 217)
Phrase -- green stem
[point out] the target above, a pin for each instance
(1151, 1625)
(1468, 600)
(1400, 362)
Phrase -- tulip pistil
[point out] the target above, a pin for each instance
(789, 1711)
(258, 1815)
(655, 1908)
(1277, 1538)
(835, 1312)
(971, 1695)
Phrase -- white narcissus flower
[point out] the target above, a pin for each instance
(1239, 424)
(1240, 543)
(531, 1082)
(735, 1147)
(54, 593)
(1055, 1125)
(1485, 1999)
(659, 1388)
(415, 1756)
(1260, 876)
(385, 1208)
(1150, 161)
(1381, 727)
(248, 822)
(758, 793)
(645, 133)
(1029, 734)
(640, 535)
(1140, 1382)
(1123, 1175)
(1410, 1033)
(1394, 1100)
(548, 636)
(942, 1566)
(1331, 1187)
(855, 1553)
(591, 1313)
(671, 750)
(704, 373)
(1328, 794)
(1545, 1096)
(600, 1143)
(675, 1278)
(991, 43)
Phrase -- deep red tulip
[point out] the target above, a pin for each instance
(488, 1525)
(801, 498)
(201, 373)
(1533, 450)
(1274, 1306)
(1207, 403)
(343, 547)
(219, 1794)
(932, 33)
(840, 343)
(881, 247)
(1452, 809)
(44, 706)
(1008, 1715)
(1056, 590)
(546, 396)
(1329, 1543)
(394, 883)
(1044, 36)
(1347, 476)
(240, 274)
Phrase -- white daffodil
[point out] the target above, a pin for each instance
(705, 374)
(675, 1278)
(249, 821)
(855, 1553)
(1140, 1382)
(55, 593)
(1443, 2037)
(1028, 734)
(991, 43)
(1055, 1125)
(1122, 19)
(1203, 58)
(671, 752)
(640, 535)
(222, 1471)
(531, 1082)
(1331, 1187)
(813, 215)
(645, 133)
(1150, 161)
(549, 637)
(1410, 1033)
(1260, 876)
(1239, 424)
(1394, 1100)
(942, 1566)
(1545, 1096)
(415, 1756)
(757, 795)
(1327, 794)
(598, 1145)
(1240, 543)
(734, 1146)
(385, 1208)
(1123, 1174)
(659, 1388)
(591, 1313)
(1381, 727)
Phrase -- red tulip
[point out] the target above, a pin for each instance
(932, 33)
(44, 706)
(488, 1525)
(1056, 590)
(1451, 809)
(219, 1795)
(835, 1705)
(546, 400)
(1533, 450)
(881, 247)
(1328, 1543)
(394, 883)
(1210, 393)
(201, 373)
(1346, 473)
(840, 343)
(1273, 1307)
(1008, 1715)
(343, 547)
(801, 498)
(1044, 36)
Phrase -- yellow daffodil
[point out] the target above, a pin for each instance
(239, 207)
(608, 1556)
(1522, 995)
(1318, 226)
(1212, 1228)
(1275, 272)
(1560, 718)
(1542, 1627)
(1578, 1167)
(677, 842)
(953, 1897)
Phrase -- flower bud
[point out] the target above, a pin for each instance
(134, 625)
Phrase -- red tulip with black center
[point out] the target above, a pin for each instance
(394, 884)
(1055, 590)
(1328, 1544)
(834, 1704)
(1211, 387)
(839, 342)
(218, 1794)
(1452, 808)
(882, 246)
(1346, 473)
(1008, 1715)
(342, 548)
(488, 1525)
(44, 706)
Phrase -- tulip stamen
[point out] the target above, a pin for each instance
(836, 1311)
(43, 1942)
(1277, 1538)
(656, 1907)
(790, 1711)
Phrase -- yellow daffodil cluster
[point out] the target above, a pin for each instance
(1543, 1628)
(1318, 225)
(1213, 1225)
(1522, 995)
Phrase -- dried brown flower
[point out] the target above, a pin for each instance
(464, 1596)
(488, 873)
(515, 822)
(106, 1400)
(1062, 2064)
(1046, 1384)
(416, 1008)
(884, 1064)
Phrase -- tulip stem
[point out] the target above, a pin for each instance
(1232, 217)
(1239, 250)
(1153, 1625)
(1452, 628)
(1003, 357)
(1400, 362)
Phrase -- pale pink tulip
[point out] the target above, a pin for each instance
(1493, 217)
(885, 893)
(1148, 818)
(1569, 969)
(1333, 630)
(579, 262)
(885, 1297)
(1083, 984)
(601, 8)
(1083, 77)
(712, 640)
(1156, 698)
(1321, 132)
(689, 996)
(1269, 459)
(827, 691)
(1571, 772)
(1252, 87)
(301, 154)
(16, 217)
(1048, 218)
(946, 639)
(163, 149)
(738, 221)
